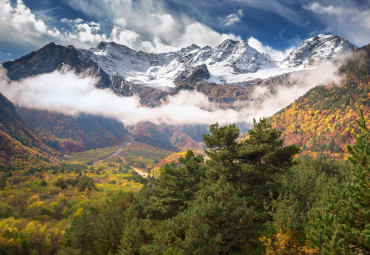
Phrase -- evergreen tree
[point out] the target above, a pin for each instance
(263, 155)
(223, 151)
(250, 165)
(217, 222)
(98, 229)
(176, 187)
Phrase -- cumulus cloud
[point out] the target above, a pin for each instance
(159, 31)
(274, 54)
(19, 26)
(349, 21)
(143, 25)
(233, 18)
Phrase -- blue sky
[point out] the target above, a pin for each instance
(272, 27)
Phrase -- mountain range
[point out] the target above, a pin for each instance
(226, 74)
(233, 64)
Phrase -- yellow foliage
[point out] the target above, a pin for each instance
(283, 243)
(79, 211)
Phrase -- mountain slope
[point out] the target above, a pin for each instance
(73, 133)
(324, 119)
(19, 147)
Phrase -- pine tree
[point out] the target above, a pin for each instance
(223, 150)
(176, 187)
(218, 221)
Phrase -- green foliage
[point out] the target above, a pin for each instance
(98, 229)
(223, 150)
(341, 223)
(217, 222)
(134, 234)
(300, 188)
(81, 182)
(250, 166)
(176, 187)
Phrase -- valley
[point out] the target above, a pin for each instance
(89, 183)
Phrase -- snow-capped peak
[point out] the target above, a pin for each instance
(228, 59)
(318, 48)
(231, 61)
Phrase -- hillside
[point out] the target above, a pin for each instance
(73, 133)
(323, 121)
(170, 137)
(19, 147)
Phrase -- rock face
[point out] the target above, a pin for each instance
(192, 76)
(52, 57)
(317, 49)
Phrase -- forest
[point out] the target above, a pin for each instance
(245, 196)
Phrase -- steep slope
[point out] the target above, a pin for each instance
(324, 119)
(19, 147)
(317, 49)
(73, 133)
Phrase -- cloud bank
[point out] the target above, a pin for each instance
(66, 92)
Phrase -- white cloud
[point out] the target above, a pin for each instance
(20, 27)
(124, 36)
(276, 7)
(148, 26)
(302, 82)
(202, 35)
(72, 21)
(233, 18)
(346, 20)
(274, 54)
(145, 26)
(68, 93)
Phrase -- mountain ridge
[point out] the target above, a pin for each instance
(153, 77)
